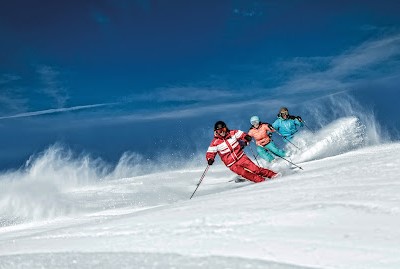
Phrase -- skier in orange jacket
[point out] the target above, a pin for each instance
(261, 132)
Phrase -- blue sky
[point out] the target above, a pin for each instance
(153, 76)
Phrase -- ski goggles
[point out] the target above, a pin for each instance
(221, 130)
(284, 113)
(255, 122)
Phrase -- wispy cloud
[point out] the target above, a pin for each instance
(183, 94)
(53, 111)
(7, 78)
(364, 62)
(11, 103)
(52, 85)
(10, 94)
(373, 60)
(366, 56)
(319, 76)
(192, 111)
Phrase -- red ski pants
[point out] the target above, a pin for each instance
(247, 169)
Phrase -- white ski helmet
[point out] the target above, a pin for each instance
(254, 119)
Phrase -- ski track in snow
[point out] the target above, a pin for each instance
(341, 211)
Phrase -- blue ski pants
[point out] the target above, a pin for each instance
(269, 151)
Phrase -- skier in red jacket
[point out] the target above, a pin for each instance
(227, 143)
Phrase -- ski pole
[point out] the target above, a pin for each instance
(201, 179)
(301, 120)
(306, 125)
(286, 139)
(255, 157)
(285, 159)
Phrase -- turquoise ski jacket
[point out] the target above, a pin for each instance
(287, 128)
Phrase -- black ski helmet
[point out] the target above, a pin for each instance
(219, 124)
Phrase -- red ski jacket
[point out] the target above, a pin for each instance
(228, 147)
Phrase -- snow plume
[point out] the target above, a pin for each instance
(342, 135)
(325, 110)
(334, 125)
(59, 182)
(39, 189)
(43, 188)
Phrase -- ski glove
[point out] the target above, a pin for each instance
(242, 144)
(210, 161)
(295, 117)
(248, 138)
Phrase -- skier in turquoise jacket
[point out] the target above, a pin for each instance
(287, 125)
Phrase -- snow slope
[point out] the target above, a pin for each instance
(341, 211)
